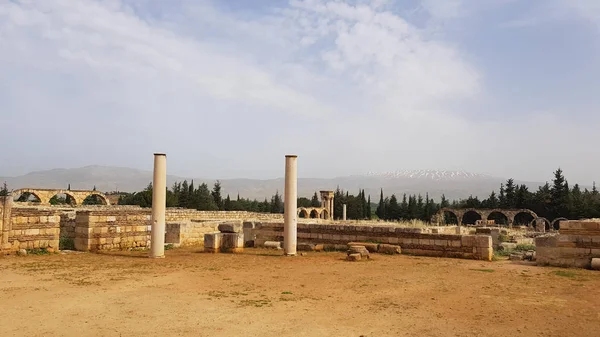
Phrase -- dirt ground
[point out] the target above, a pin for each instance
(258, 293)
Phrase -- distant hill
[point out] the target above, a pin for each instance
(454, 184)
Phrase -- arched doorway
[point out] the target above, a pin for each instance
(523, 219)
(499, 218)
(94, 199)
(62, 199)
(556, 223)
(314, 214)
(26, 197)
(450, 218)
(470, 217)
(302, 213)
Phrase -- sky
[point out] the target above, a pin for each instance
(227, 88)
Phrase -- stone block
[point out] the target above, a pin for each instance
(213, 240)
(360, 250)
(508, 245)
(484, 241)
(371, 247)
(389, 249)
(354, 257)
(595, 264)
(305, 247)
(232, 242)
(230, 227)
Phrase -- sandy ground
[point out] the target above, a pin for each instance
(257, 293)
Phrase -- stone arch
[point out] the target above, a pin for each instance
(71, 199)
(522, 212)
(314, 214)
(324, 214)
(302, 212)
(18, 193)
(546, 222)
(555, 225)
(447, 214)
(493, 215)
(470, 216)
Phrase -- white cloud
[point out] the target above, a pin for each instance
(216, 90)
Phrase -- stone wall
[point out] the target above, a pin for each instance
(31, 229)
(106, 230)
(417, 241)
(189, 233)
(575, 246)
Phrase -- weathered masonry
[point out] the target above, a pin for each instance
(73, 197)
(575, 246)
(418, 241)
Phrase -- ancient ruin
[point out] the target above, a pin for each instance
(482, 214)
(74, 197)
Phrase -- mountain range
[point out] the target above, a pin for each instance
(453, 184)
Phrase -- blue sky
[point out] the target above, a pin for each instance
(227, 88)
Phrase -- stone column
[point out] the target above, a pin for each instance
(290, 217)
(5, 225)
(344, 212)
(159, 205)
(331, 207)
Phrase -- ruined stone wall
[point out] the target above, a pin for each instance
(418, 241)
(106, 230)
(31, 229)
(189, 233)
(575, 246)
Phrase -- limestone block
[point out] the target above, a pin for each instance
(232, 242)
(371, 247)
(595, 264)
(389, 249)
(272, 244)
(305, 247)
(362, 250)
(230, 227)
(354, 257)
(508, 245)
(213, 240)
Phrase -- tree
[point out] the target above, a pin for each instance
(94, 188)
(369, 213)
(381, 207)
(276, 205)
(510, 194)
(227, 204)
(315, 202)
(393, 209)
(444, 202)
(559, 196)
(216, 194)
(492, 201)
(69, 187)
(4, 190)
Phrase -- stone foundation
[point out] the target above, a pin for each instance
(575, 246)
(417, 241)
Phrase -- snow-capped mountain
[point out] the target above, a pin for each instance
(436, 175)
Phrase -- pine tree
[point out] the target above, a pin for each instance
(510, 193)
(69, 187)
(94, 188)
(4, 190)
(444, 202)
(393, 210)
(559, 196)
(492, 201)
(315, 202)
(276, 205)
(216, 194)
(227, 204)
(369, 214)
(381, 207)
(404, 208)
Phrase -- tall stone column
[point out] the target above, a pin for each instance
(331, 205)
(344, 212)
(290, 215)
(159, 205)
(5, 225)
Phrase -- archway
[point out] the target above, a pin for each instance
(94, 199)
(19, 196)
(302, 213)
(523, 219)
(63, 199)
(470, 217)
(450, 218)
(324, 214)
(498, 217)
(314, 214)
(543, 222)
(556, 223)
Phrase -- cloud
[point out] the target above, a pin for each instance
(351, 86)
